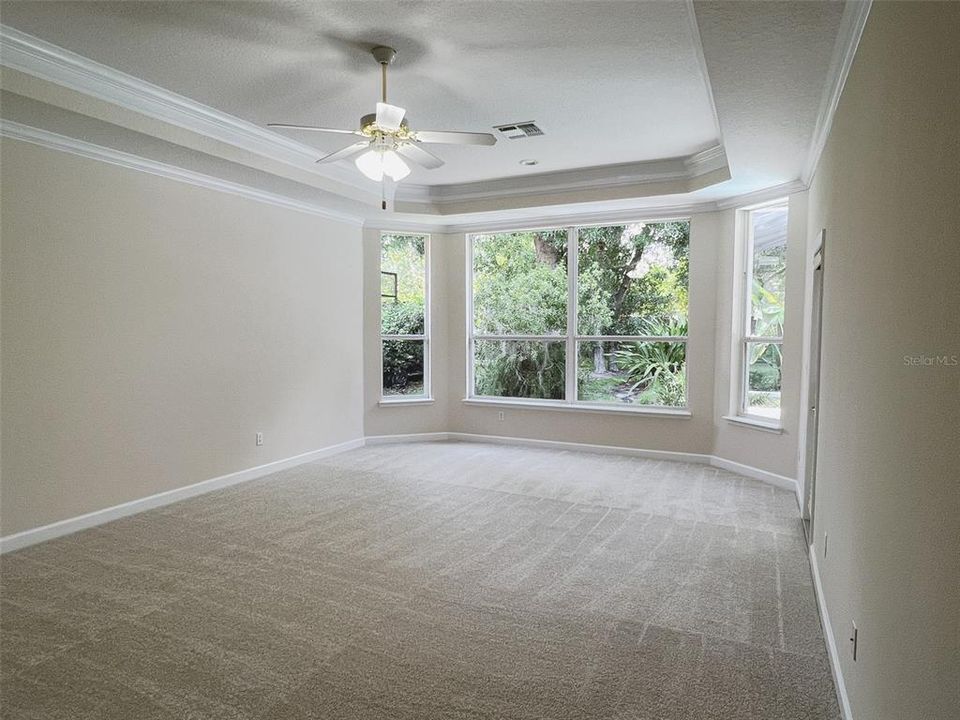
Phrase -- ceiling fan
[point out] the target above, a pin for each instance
(388, 139)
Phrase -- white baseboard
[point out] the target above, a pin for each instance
(99, 517)
(582, 447)
(770, 478)
(832, 653)
(410, 437)
(780, 481)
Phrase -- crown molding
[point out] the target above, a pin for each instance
(55, 141)
(614, 217)
(568, 181)
(852, 22)
(507, 219)
(46, 61)
(774, 192)
(702, 62)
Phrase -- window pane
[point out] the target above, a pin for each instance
(633, 279)
(768, 270)
(402, 284)
(403, 367)
(520, 283)
(651, 373)
(519, 369)
(763, 379)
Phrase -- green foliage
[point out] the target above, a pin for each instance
(403, 318)
(764, 368)
(519, 369)
(767, 291)
(764, 377)
(630, 276)
(668, 390)
(405, 256)
(593, 388)
(515, 291)
(656, 368)
(634, 273)
(402, 363)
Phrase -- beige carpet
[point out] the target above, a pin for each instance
(440, 580)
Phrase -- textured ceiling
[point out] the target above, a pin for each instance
(768, 63)
(609, 82)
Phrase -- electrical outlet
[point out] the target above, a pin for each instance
(500, 415)
(854, 639)
(259, 438)
(824, 544)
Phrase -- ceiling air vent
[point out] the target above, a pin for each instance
(515, 131)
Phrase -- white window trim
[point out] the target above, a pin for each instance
(426, 398)
(570, 339)
(743, 279)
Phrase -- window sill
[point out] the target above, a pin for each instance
(756, 424)
(673, 413)
(404, 402)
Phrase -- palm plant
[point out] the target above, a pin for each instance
(656, 366)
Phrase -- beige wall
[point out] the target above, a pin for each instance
(151, 328)
(888, 485)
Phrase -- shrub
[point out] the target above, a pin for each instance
(520, 369)
(401, 318)
(402, 359)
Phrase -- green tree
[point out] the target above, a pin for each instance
(629, 274)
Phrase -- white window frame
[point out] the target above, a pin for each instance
(570, 337)
(427, 395)
(742, 313)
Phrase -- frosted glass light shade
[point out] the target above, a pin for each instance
(375, 164)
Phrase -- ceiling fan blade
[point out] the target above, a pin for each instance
(347, 152)
(389, 117)
(420, 156)
(312, 128)
(448, 137)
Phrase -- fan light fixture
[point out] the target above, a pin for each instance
(376, 163)
(386, 139)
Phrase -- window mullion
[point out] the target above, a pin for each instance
(573, 260)
(471, 327)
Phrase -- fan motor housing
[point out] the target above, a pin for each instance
(371, 118)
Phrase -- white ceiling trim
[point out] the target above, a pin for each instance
(855, 13)
(55, 141)
(646, 208)
(499, 223)
(49, 62)
(702, 60)
(44, 60)
(609, 176)
(761, 196)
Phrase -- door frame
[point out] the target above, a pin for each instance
(810, 384)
